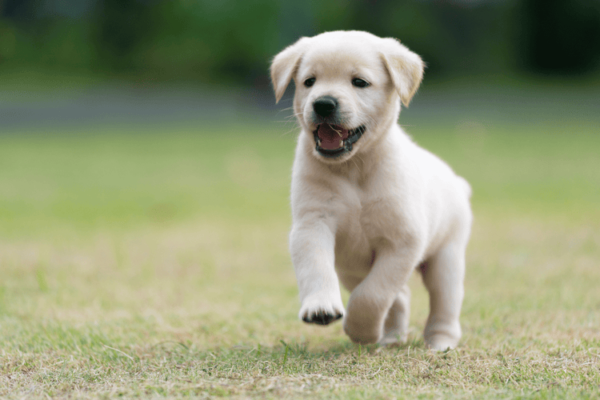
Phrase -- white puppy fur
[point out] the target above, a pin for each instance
(374, 211)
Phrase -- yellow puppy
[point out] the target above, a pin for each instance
(369, 206)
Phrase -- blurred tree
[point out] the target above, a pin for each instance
(453, 37)
(561, 36)
(234, 40)
(19, 10)
(182, 39)
(121, 27)
(40, 34)
(296, 19)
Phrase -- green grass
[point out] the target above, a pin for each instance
(151, 261)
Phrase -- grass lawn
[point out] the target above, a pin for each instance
(151, 261)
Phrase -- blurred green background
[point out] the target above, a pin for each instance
(85, 61)
(90, 61)
(107, 75)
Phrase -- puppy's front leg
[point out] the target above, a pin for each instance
(312, 245)
(370, 301)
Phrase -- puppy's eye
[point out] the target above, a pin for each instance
(309, 82)
(359, 83)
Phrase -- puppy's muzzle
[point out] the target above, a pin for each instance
(325, 106)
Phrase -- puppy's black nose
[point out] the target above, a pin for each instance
(325, 106)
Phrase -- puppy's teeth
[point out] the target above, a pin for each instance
(341, 143)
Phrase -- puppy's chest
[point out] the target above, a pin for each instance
(368, 219)
(371, 214)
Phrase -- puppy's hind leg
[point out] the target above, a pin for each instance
(396, 322)
(371, 300)
(443, 277)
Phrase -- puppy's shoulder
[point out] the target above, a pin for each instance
(435, 171)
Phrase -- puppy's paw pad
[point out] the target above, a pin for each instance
(321, 317)
(321, 310)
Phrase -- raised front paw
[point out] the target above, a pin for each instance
(321, 310)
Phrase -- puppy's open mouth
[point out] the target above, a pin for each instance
(333, 140)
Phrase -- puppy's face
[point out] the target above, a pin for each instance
(347, 88)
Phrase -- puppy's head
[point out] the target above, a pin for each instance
(348, 88)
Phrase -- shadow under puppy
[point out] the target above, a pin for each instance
(369, 206)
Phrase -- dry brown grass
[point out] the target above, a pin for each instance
(205, 305)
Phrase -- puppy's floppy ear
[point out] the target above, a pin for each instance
(405, 68)
(284, 66)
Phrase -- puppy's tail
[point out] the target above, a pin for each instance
(466, 185)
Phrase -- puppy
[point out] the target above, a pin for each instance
(369, 206)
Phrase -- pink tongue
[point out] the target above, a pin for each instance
(332, 136)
